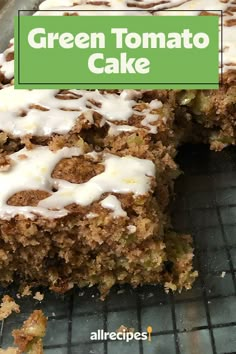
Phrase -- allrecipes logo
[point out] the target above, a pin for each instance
(122, 334)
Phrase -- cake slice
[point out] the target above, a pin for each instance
(69, 217)
(87, 176)
(54, 144)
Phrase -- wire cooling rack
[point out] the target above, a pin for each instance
(199, 321)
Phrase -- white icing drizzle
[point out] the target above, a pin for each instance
(54, 119)
(115, 107)
(155, 104)
(151, 118)
(7, 67)
(122, 175)
(92, 215)
(110, 4)
(32, 169)
(117, 129)
(49, 4)
(111, 202)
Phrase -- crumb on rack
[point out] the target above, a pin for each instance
(38, 296)
(8, 306)
(29, 337)
(9, 350)
(26, 291)
(124, 329)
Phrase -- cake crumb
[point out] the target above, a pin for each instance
(26, 140)
(22, 157)
(124, 329)
(26, 291)
(8, 306)
(3, 136)
(5, 163)
(29, 337)
(169, 286)
(38, 296)
(9, 350)
(223, 274)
